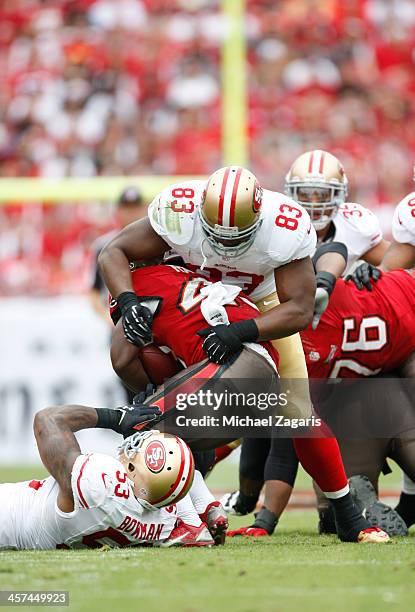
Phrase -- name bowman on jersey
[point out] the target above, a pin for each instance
(106, 510)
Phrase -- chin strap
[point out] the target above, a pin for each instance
(205, 258)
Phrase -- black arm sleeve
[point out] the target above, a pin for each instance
(330, 247)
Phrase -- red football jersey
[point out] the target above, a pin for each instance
(363, 333)
(179, 316)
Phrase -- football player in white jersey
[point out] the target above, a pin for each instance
(401, 253)
(94, 499)
(318, 182)
(228, 228)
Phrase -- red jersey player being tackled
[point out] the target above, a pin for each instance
(254, 238)
(177, 297)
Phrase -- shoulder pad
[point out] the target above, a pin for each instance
(361, 219)
(172, 213)
(287, 231)
(94, 478)
(403, 223)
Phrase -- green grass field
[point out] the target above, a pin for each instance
(293, 570)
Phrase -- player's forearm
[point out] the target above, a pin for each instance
(285, 319)
(136, 242)
(333, 263)
(375, 255)
(115, 270)
(58, 447)
(398, 256)
(125, 359)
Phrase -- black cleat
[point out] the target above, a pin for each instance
(376, 513)
(326, 523)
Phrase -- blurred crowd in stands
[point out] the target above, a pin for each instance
(104, 87)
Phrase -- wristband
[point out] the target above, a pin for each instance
(108, 418)
(127, 299)
(247, 331)
(326, 280)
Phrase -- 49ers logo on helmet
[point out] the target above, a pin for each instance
(258, 194)
(155, 456)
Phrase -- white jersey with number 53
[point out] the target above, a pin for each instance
(106, 511)
(403, 224)
(285, 234)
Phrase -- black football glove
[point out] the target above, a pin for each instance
(128, 419)
(141, 396)
(223, 341)
(364, 275)
(136, 319)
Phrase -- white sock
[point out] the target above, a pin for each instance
(187, 512)
(337, 494)
(200, 494)
(408, 486)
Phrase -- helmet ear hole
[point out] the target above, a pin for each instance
(131, 467)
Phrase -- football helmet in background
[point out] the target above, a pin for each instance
(161, 467)
(230, 210)
(317, 181)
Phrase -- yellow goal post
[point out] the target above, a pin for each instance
(107, 188)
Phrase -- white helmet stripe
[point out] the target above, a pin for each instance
(227, 200)
(317, 162)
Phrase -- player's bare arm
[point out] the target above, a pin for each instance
(375, 256)
(54, 429)
(58, 447)
(125, 359)
(296, 289)
(135, 242)
(399, 255)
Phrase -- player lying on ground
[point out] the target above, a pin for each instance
(348, 343)
(183, 301)
(94, 499)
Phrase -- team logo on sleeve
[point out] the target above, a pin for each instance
(155, 456)
(258, 195)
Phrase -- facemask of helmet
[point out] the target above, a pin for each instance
(230, 211)
(320, 201)
(317, 181)
(160, 467)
